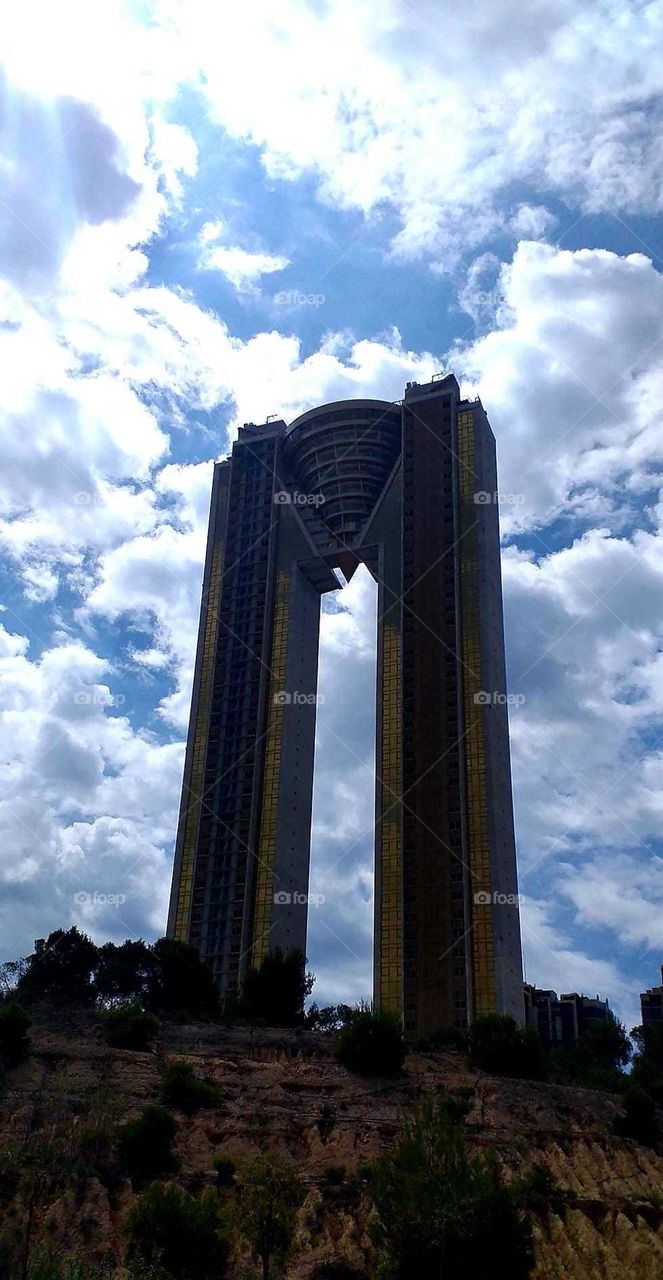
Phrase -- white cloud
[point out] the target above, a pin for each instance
(241, 267)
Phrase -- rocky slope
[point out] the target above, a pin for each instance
(283, 1093)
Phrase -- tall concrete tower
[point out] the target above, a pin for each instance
(410, 490)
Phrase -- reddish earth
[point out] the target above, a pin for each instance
(273, 1087)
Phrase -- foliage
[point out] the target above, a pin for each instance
(639, 1120)
(225, 1170)
(180, 983)
(181, 1088)
(371, 1042)
(442, 1038)
(442, 1214)
(128, 1026)
(596, 1060)
(123, 972)
(179, 1233)
(497, 1044)
(648, 1059)
(15, 1023)
(268, 1196)
(144, 1145)
(68, 970)
(59, 970)
(328, 1020)
(334, 1175)
(326, 1121)
(44, 1264)
(537, 1189)
(275, 993)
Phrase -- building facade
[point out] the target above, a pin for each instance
(560, 1020)
(410, 490)
(651, 1004)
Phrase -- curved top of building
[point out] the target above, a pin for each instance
(344, 452)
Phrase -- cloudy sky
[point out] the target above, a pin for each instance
(209, 218)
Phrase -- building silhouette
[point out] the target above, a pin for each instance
(560, 1020)
(651, 1004)
(410, 490)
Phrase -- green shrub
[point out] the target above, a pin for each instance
(268, 1196)
(497, 1044)
(275, 993)
(326, 1121)
(130, 1027)
(225, 1170)
(15, 1023)
(181, 1088)
(144, 1145)
(371, 1043)
(334, 1175)
(639, 1120)
(537, 1189)
(178, 1233)
(44, 1264)
(442, 1213)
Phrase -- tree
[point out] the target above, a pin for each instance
(440, 1213)
(275, 993)
(180, 983)
(15, 1023)
(123, 972)
(268, 1196)
(329, 1019)
(60, 969)
(179, 1233)
(497, 1044)
(648, 1059)
(596, 1060)
(639, 1120)
(130, 1027)
(144, 1145)
(371, 1042)
(181, 1088)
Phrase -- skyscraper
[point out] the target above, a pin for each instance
(410, 490)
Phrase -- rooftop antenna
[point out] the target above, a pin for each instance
(271, 417)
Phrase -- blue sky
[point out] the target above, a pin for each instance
(211, 217)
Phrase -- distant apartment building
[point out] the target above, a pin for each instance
(651, 1004)
(560, 1020)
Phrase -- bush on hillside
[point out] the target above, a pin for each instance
(181, 1088)
(498, 1045)
(15, 1023)
(145, 1145)
(129, 1027)
(441, 1212)
(178, 1233)
(371, 1043)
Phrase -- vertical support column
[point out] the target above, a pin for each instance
(478, 838)
(389, 865)
(266, 853)
(194, 769)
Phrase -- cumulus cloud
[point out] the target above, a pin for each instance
(241, 267)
